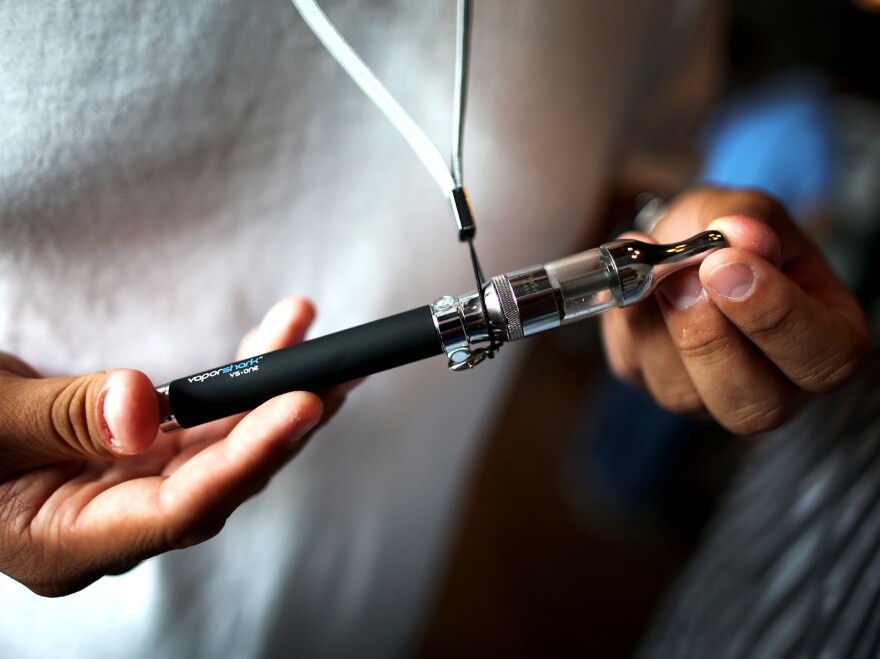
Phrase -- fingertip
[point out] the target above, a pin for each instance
(750, 234)
(291, 307)
(305, 307)
(304, 311)
(291, 316)
(129, 409)
(309, 409)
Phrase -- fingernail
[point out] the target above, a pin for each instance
(683, 289)
(732, 280)
(113, 410)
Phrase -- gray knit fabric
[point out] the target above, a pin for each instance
(791, 567)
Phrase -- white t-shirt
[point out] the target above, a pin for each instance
(168, 170)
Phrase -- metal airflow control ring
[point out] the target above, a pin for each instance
(509, 308)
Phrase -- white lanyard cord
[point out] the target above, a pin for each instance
(348, 59)
(462, 53)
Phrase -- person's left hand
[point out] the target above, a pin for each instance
(71, 513)
(746, 333)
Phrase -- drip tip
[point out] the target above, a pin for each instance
(640, 266)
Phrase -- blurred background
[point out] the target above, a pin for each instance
(579, 517)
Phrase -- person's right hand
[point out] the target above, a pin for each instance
(89, 487)
(748, 334)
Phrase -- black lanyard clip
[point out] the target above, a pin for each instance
(464, 215)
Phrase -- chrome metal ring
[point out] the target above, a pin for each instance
(509, 308)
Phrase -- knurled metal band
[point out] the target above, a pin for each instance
(509, 309)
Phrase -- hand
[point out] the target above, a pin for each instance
(89, 487)
(746, 333)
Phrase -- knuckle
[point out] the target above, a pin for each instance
(681, 399)
(831, 368)
(705, 347)
(628, 374)
(773, 323)
(759, 415)
(624, 372)
(622, 364)
(72, 421)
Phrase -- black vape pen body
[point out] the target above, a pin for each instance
(309, 366)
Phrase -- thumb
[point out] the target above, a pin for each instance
(100, 416)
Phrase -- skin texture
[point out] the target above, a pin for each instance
(89, 487)
(748, 334)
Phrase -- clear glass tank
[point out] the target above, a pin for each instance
(583, 283)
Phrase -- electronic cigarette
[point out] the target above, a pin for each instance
(510, 307)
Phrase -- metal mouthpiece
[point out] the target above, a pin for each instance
(641, 266)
